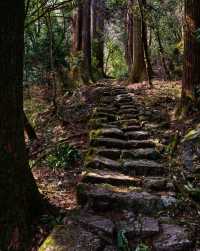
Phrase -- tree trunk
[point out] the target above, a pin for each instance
(86, 42)
(191, 77)
(138, 70)
(77, 29)
(29, 129)
(142, 6)
(19, 197)
(98, 12)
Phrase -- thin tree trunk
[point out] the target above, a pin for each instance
(142, 5)
(97, 24)
(138, 70)
(191, 77)
(86, 42)
(29, 129)
(77, 29)
(19, 197)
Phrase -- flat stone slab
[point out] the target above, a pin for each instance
(137, 135)
(103, 197)
(140, 144)
(141, 153)
(131, 128)
(143, 167)
(110, 133)
(172, 238)
(108, 142)
(109, 177)
(98, 162)
(71, 238)
(110, 153)
(155, 183)
(143, 227)
(99, 225)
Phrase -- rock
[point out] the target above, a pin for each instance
(110, 248)
(141, 153)
(128, 122)
(131, 128)
(109, 116)
(138, 135)
(99, 225)
(108, 142)
(110, 153)
(140, 144)
(155, 183)
(143, 167)
(131, 110)
(168, 201)
(111, 198)
(110, 133)
(127, 116)
(109, 177)
(98, 162)
(172, 238)
(143, 227)
(71, 238)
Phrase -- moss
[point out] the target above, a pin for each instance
(95, 133)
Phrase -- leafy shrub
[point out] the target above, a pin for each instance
(64, 156)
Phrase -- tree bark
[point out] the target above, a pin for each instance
(77, 29)
(137, 71)
(86, 42)
(142, 6)
(19, 196)
(97, 24)
(191, 76)
(29, 129)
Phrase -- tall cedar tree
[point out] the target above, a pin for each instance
(19, 196)
(191, 77)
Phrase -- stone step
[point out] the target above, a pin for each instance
(106, 109)
(143, 167)
(110, 153)
(127, 116)
(108, 133)
(110, 177)
(108, 116)
(108, 143)
(128, 111)
(98, 162)
(140, 144)
(126, 122)
(131, 128)
(71, 237)
(172, 238)
(104, 197)
(141, 153)
(138, 135)
(129, 106)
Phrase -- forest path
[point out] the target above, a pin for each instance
(125, 194)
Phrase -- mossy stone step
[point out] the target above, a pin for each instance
(140, 144)
(108, 116)
(71, 237)
(133, 128)
(106, 109)
(111, 153)
(138, 135)
(172, 238)
(126, 122)
(110, 177)
(108, 143)
(143, 167)
(98, 162)
(131, 110)
(108, 133)
(141, 153)
(108, 198)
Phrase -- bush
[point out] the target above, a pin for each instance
(64, 156)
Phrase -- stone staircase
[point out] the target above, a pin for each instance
(125, 193)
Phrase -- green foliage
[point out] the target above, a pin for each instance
(116, 65)
(122, 242)
(142, 247)
(63, 157)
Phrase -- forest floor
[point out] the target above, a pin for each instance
(70, 126)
